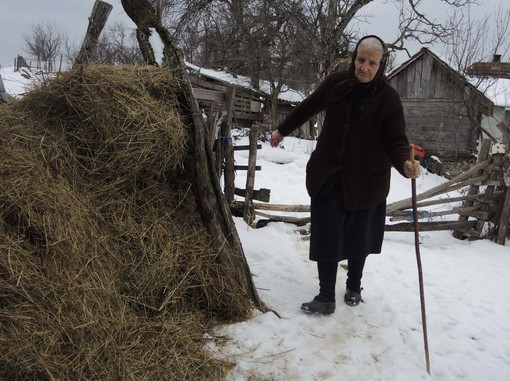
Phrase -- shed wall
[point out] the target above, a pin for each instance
(436, 116)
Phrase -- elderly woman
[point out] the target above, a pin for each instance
(348, 174)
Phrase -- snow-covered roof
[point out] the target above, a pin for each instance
(288, 95)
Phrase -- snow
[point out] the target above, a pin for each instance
(157, 45)
(15, 84)
(466, 296)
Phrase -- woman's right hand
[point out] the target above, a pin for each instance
(276, 138)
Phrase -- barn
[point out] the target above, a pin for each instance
(443, 110)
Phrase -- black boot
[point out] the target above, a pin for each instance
(352, 298)
(319, 305)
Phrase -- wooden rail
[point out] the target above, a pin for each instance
(477, 207)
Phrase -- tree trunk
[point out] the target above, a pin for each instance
(212, 204)
(97, 21)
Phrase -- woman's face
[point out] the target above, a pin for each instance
(366, 64)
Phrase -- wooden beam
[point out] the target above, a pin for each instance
(245, 148)
(431, 226)
(273, 207)
(262, 194)
(438, 201)
(454, 184)
(226, 128)
(197, 81)
(471, 211)
(97, 21)
(208, 95)
(245, 167)
(293, 220)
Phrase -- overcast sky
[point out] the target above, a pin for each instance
(18, 16)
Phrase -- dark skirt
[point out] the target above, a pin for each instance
(338, 233)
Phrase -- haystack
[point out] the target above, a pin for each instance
(106, 271)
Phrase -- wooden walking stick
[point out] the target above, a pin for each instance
(418, 260)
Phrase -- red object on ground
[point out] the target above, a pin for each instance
(419, 151)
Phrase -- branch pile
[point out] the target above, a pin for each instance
(106, 271)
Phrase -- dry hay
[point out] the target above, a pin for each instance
(106, 271)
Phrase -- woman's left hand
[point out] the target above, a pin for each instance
(412, 169)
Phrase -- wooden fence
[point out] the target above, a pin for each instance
(483, 211)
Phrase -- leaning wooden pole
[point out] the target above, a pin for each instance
(420, 272)
(97, 21)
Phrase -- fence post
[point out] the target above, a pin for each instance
(503, 220)
(249, 210)
(495, 174)
(228, 146)
(473, 189)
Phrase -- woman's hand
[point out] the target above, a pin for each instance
(276, 138)
(412, 169)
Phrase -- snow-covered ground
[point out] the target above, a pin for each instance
(15, 83)
(466, 293)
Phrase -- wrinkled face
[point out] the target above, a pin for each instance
(366, 64)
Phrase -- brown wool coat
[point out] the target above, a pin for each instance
(362, 145)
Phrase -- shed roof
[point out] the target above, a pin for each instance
(289, 95)
(483, 99)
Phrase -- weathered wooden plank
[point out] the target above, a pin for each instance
(248, 116)
(200, 82)
(226, 132)
(295, 220)
(453, 199)
(427, 214)
(245, 167)
(262, 194)
(255, 106)
(245, 148)
(209, 95)
(431, 226)
(275, 207)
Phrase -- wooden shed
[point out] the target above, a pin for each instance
(442, 109)
(212, 88)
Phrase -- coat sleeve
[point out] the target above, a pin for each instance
(309, 107)
(396, 142)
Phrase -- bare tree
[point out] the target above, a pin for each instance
(118, 45)
(44, 42)
(477, 40)
(289, 42)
